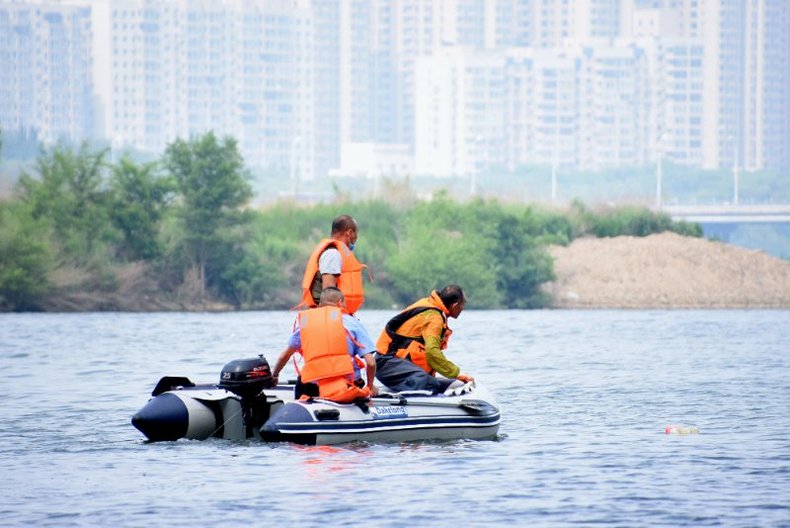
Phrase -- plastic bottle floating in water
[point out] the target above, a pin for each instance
(681, 429)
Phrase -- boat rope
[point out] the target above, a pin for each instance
(229, 418)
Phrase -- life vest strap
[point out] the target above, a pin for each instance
(398, 341)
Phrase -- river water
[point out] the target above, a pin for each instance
(585, 395)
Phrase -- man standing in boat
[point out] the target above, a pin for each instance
(334, 345)
(333, 264)
(410, 348)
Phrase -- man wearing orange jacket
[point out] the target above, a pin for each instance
(334, 345)
(410, 348)
(333, 263)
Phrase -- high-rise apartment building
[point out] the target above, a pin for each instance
(542, 106)
(181, 68)
(460, 109)
(716, 103)
(772, 54)
(614, 108)
(275, 86)
(326, 88)
(146, 64)
(46, 69)
(582, 107)
(765, 125)
(681, 102)
(418, 33)
(460, 85)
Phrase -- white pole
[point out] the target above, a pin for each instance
(115, 144)
(735, 178)
(293, 172)
(294, 175)
(554, 182)
(658, 181)
(555, 159)
(663, 136)
(477, 164)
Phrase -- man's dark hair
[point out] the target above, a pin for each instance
(343, 223)
(452, 293)
(330, 294)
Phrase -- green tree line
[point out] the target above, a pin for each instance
(77, 221)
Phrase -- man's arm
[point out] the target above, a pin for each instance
(363, 347)
(285, 355)
(328, 280)
(431, 334)
(437, 360)
(370, 364)
(330, 264)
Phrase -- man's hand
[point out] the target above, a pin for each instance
(466, 378)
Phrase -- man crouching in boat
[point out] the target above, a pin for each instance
(332, 342)
(410, 346)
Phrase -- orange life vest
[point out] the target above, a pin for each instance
(326, 359)
(413, 347)
(349, 282)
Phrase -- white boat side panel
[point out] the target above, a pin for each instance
(389, 429)
(201, 419)
(233, 419)
(411, 435)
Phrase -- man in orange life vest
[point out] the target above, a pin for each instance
(410, 346)
(332, 263)
(331, 343)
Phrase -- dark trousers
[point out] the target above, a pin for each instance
(402, 375)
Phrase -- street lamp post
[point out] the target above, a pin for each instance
(294, 174)
(476, 167)
(554, 182)
(734, 141)
(663, 137)
(115, 144)
(735, 176)
(555, 160)
(658, 179)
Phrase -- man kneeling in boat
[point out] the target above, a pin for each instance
(333, 345)
(410, 346)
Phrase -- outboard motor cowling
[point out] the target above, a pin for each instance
(246, 377)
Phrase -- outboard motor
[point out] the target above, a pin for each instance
(247, 378)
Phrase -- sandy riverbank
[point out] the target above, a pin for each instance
(666, 271)
(658, 271)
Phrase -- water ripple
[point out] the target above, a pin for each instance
(586, 397)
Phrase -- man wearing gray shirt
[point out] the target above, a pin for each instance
(333, 264)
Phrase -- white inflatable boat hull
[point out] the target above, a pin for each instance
(206, 411)
(399, 418)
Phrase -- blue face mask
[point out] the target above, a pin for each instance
(351, 246)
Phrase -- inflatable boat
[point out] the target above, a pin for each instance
(246, 404)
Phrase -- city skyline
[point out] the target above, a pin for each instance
(386, 87)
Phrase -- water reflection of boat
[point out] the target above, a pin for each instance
(245, 404)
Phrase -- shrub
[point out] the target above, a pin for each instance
(25, 259)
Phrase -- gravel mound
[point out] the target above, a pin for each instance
(666, 271)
